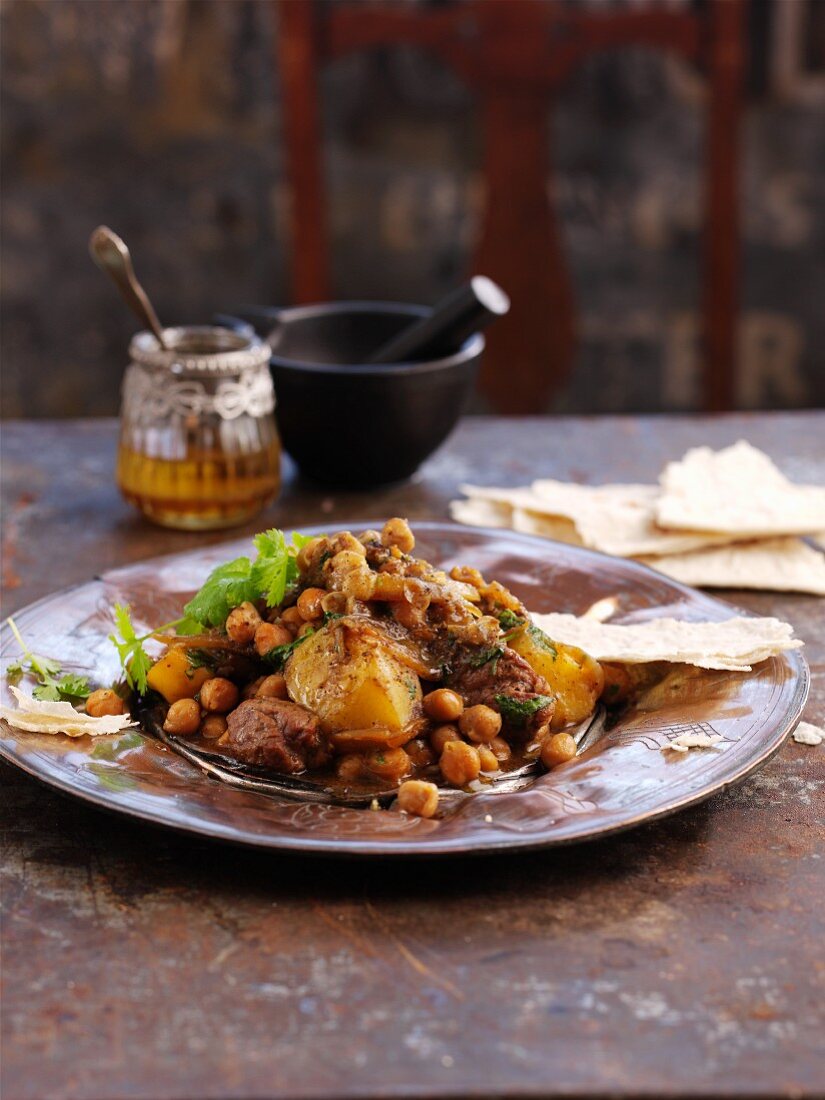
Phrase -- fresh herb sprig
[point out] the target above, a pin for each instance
(280, 654)
(235, 582)
(53, 685)
(134, 659)
(540, 639)
(509, 620)
(518, 712)
(484, 656)
(267, 578)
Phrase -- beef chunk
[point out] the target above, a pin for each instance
(479, 676)
(277, 734)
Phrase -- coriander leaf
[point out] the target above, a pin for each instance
(44, 666)
(271, 570)
(268, 577)
(46, 693)
(135, 660)
(202, 658)
(517, 712)
(541, 640)
(494, 653)
(45, 670)
(330, 616)
(299, 540)
(187, 625)
(75, 686)
(275, 568)
(280, 654)
(69, 688)
(227, 586)
(508, 620)
(15, 671)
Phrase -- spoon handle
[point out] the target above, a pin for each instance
(111, 255)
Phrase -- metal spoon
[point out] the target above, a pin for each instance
(111, 255)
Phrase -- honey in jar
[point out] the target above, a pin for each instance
(198, 445)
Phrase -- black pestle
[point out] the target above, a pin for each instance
(453, 320)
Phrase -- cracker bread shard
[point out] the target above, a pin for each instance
(770, 565)
(738, 491)
(36, 716)
(615, 519)
(686, 741)
(734, 644)
(808, 734)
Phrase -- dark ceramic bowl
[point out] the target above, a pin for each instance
(347, 423)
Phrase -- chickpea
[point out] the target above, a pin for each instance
(350, 767)
(309, 603)
(104, 701)
(488, 759)
(219, 695)
(397, 532)
(349, 572)
(467, 575)
(346, 541)
(358, 585)
(251, 689)
(459, 763)
(242, 622)
(307, 628)
(272, 687)
(480, 723)
(443, 705)
(499, 747)
(391, 764)
(183, 717)
(557, 750)
(270, 635)
(418, 798)
(309, 552)
(213, 726)
(440, 736)
(420, 753)
(292, 619)
(334, 603)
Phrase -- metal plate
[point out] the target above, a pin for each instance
(621, 781)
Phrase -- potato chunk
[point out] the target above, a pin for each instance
(349, 675)
(574, 676)
(174, 677)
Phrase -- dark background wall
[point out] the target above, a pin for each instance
(161, 119)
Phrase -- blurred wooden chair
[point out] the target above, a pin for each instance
(515, 55)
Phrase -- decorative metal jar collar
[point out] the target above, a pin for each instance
(200, 349)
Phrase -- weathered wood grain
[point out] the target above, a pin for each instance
(680, 959)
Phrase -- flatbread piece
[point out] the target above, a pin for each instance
(734, 644)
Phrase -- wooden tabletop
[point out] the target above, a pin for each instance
(681, 959)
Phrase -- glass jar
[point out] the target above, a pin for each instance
(198, 444)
